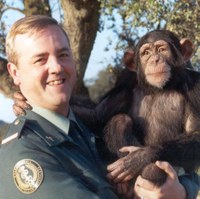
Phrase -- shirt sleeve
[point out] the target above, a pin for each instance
(191, 184)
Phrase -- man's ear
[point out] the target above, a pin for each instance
(128, 59)
(13, 70)
(187, 48)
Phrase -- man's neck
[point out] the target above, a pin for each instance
(55, 118)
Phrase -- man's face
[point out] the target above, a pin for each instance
(45, 71)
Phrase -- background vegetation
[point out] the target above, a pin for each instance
(128, 19)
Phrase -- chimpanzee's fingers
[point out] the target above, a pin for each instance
(117, 164)
(18, 96)
(22, 104)
(18, 111)
(113, 174)
(122, 188)
(129, 149)
(123, 177)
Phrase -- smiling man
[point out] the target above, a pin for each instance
(41, 64)
(47, 154)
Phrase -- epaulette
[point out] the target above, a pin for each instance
(15, 129)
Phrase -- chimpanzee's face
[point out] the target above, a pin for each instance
(155, 62)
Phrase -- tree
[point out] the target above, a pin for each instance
(103, 83)
(141, 16)
(81, 19)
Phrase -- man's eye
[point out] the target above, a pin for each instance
(40, 60)
(64, 55)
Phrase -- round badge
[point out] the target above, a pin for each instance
(27, 175)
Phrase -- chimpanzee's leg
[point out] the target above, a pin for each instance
(118, 133)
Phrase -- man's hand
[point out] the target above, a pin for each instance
(170, 189)
(20, 104)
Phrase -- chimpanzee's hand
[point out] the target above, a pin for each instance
(132, 164)
(20, 104)
(124, 190)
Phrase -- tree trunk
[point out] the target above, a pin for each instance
(81, 21)
(33, 7)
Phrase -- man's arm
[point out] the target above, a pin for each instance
(185, 187)
(191, 184)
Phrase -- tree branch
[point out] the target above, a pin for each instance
(12, 8)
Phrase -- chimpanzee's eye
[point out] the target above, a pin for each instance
(161, 49)
(146, 52)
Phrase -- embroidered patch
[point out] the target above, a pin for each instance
(27, 175)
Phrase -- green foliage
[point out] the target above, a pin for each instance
(139, 16)
(104, 82)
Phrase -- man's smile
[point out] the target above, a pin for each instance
(56, 82)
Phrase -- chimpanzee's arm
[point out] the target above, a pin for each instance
(118, 133)
(116, 101)
(184, 150)
(119, 99)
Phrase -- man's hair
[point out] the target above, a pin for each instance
(28, 25)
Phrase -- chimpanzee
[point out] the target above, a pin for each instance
(160, 114)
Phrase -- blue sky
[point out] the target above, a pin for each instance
(99, 60)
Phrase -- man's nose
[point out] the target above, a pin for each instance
(55, 66)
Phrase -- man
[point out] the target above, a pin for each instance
(40, 158)
(49, 153)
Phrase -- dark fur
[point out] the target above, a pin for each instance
(155, 119)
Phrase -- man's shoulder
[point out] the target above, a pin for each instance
(21, 130)
(3, 130)
(14, 130)
(24, 139)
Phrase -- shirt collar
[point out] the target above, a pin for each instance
(58, 120)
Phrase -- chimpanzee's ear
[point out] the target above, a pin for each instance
(128, 60)
(187, 48)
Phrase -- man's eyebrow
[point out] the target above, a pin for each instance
(39, 55)
(63, 49)
(46, 53)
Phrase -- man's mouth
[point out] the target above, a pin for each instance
(56, 82)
